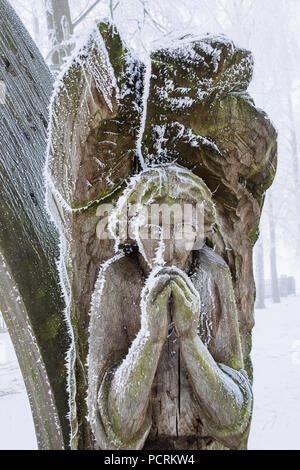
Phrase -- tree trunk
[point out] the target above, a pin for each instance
(30, 294)
(273, 255)
(60, 29)
(260, 275)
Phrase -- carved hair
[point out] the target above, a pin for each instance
(161, 183)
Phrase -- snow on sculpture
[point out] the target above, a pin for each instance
(152, 381)
(160, 329)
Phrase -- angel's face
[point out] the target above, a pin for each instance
(168, 241)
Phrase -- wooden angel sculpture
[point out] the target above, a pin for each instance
(166, 368)
(179, 129)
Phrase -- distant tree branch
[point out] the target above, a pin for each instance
(83, 15)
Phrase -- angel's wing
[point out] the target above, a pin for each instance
(95, 118)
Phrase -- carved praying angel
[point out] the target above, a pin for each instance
(166, 369)
(169, 374)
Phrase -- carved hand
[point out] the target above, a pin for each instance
(186, 303)
(155, 305)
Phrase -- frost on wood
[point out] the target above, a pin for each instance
(182, 128)
(200, 115)
(94, 123)
(143, 189)
(97, 104)
(30, 296)
(149, 385)
(41, 398)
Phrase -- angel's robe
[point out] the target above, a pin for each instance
(174, 419)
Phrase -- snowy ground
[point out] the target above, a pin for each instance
(276, 358)
(16, 424)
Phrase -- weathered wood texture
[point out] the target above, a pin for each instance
(176, 421)
(198, 113)
(93, 150)
(30, 294)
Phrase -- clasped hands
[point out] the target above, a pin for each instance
(170, 283)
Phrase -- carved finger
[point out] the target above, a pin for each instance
(184, 315)
(178, 274)
(165, 294)
(188, 288)
(180, 288)
(158, 287)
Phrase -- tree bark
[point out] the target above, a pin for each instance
(30, 294)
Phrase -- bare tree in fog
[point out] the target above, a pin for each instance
(60, 29)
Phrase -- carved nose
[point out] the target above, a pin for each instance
(169, 249)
